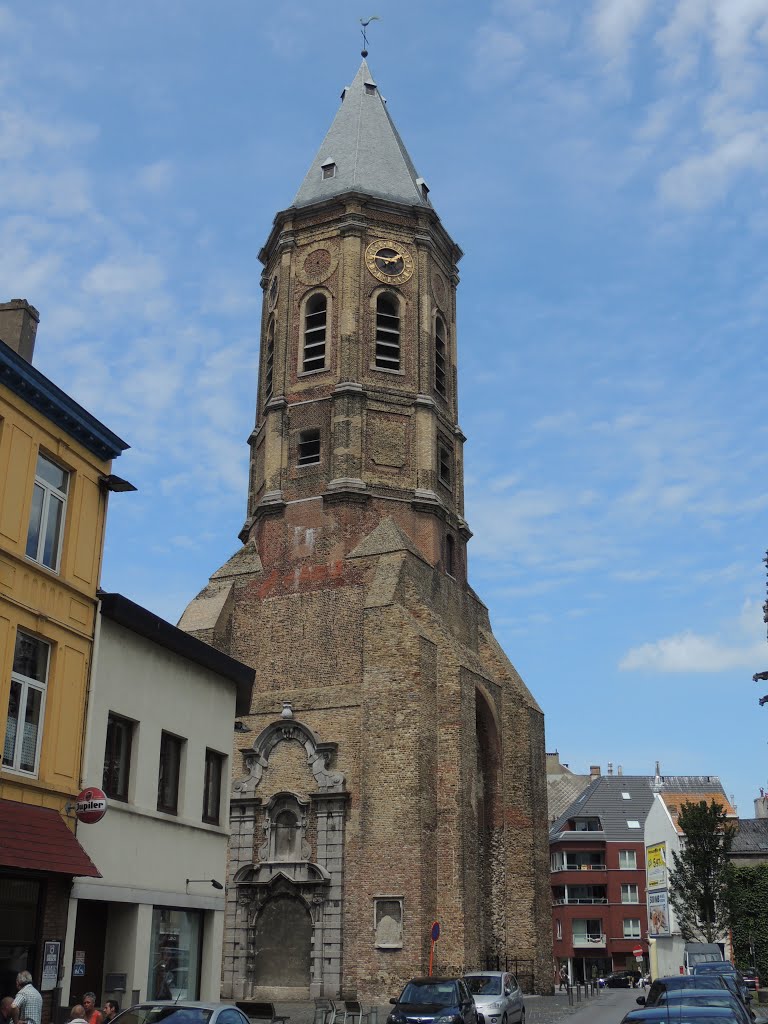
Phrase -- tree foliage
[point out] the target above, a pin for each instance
(701, 877)
(749, 903)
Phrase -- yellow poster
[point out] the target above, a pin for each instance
(656, 866)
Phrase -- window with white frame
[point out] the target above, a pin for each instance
(628, 859)
(388, 922)
(26, 704)
(315, 323)
(630, 893)
(387, 333)
(631, 927)
(46, 518)
(559, 929)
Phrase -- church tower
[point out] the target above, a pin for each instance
(392, 770)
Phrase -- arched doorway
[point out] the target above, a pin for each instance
(283, 934)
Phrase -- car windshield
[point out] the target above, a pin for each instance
(434, 994)
(155, 1013)
(484, 984)
(714, 968)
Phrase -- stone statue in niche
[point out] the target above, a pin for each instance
(388, 917)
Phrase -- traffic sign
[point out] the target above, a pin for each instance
(435, 931)
(639, 959)
(638, 951)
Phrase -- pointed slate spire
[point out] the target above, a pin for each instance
(363, 152)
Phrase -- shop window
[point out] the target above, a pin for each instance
(175, 949)
(388, 922)
(117, 757)
(46, 519)
(19, 898)
(26, 704)
(169, 773)
(214, 771)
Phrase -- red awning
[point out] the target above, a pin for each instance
(37, 839)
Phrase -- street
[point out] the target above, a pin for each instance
(607, 1008)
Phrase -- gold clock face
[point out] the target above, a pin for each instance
(389, 261)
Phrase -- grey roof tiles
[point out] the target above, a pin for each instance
(367, 151)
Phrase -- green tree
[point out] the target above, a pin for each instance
(700, 881)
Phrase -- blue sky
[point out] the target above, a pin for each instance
(603, 165)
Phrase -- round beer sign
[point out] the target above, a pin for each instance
(91, 805)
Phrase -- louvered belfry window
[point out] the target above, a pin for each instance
(440, 354)
(387, 333)
(269, 361)
(315, 321)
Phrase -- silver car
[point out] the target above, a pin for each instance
(497, 996)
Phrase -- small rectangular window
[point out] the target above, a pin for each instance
(444, 463)
(214, 764)
(626, 796)
(46, 518)
(26, 704)
(630, 893)
(117, 757)
(370, 89)
(559, 927)
(329, 171)
(169, 773)
(628, 859)
(633, 824)
(309, 448)
(632, 928)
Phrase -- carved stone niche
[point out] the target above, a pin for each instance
(319, 757)
(285, 830)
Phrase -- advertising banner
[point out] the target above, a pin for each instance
(658, 914)
(656, 866)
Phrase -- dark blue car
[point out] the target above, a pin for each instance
(434, 1001)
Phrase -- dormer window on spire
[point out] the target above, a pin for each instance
(328, 169)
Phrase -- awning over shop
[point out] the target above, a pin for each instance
(37, 839)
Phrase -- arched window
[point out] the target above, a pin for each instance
(387, 333)
(440, 357)
(286, 835)
(269, 361)
(315, 320)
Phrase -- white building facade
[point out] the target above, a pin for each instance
(159, 731)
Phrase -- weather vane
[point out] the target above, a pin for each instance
(365, 22)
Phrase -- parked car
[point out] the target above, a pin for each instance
(725, 969)
(427, 1000)
(181, 1012)
(751, 978)
(676, 982)
(498, 996)
(685, 1015)
(622, 979)
(683, 998)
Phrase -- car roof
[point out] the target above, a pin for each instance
(661, 1013)
(485, 974)
(430, 981)
(182, 1004)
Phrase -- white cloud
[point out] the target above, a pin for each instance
(127, 276)
(614, 22)
(740, 646)
(156, 177)
(497, 54)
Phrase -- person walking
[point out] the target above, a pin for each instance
(564, 979)
(110, 1011)
(28, 1003)
(92, 1014)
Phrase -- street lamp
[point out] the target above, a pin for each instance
(214, 883)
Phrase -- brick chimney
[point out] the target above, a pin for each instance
(594, 770)
(18, 326)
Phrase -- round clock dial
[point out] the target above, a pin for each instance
(389, 261)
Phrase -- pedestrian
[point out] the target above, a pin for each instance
(110, 1011)
(6, 1010)
(564, 979)
(77, 1014)
(28, 1003)
(92, 1013)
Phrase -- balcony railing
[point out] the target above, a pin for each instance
(588, 941)
(579, 867)
(581, 899)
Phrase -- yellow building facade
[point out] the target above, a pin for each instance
(55, 477)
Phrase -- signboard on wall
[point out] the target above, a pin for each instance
(656, 866)
(50, 975)
(658, 914)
